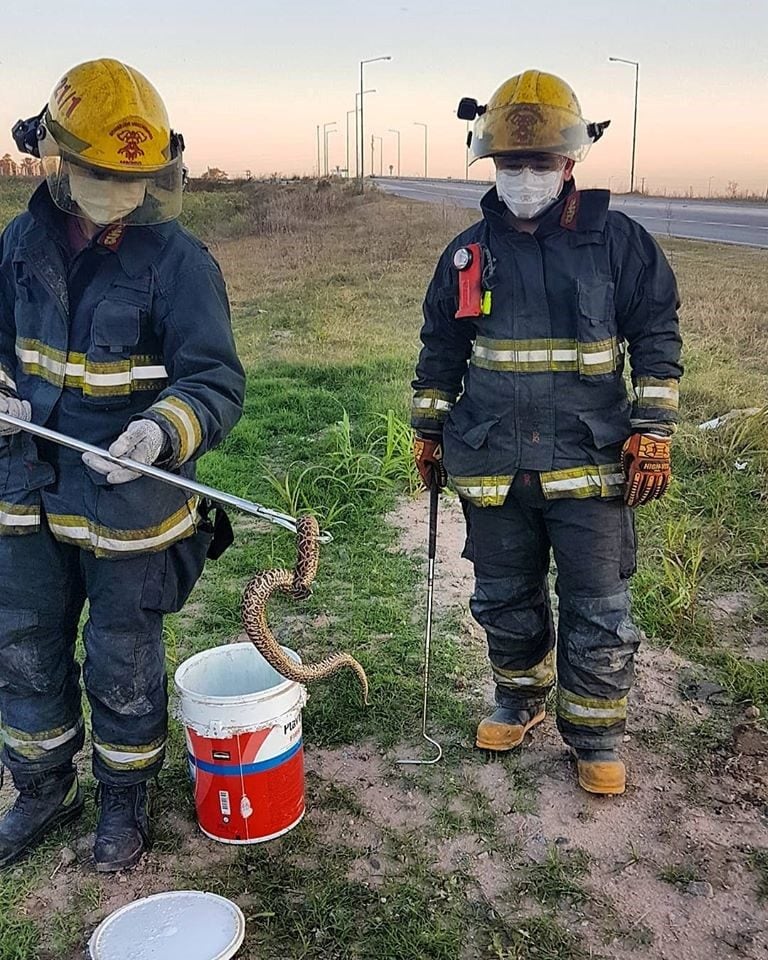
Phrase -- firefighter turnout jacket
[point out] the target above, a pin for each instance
(135, 326)
(534, 380)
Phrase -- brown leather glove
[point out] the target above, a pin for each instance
(646, 466)
(428, 454)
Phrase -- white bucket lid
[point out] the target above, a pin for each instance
(179, 925)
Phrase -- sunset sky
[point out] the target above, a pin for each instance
(247, 82)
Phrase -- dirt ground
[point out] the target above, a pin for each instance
(667, 872)
(692, 805)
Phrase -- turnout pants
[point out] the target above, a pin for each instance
(45, 585)
(593, 543)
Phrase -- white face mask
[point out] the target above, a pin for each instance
(105, 201)
(527, 192)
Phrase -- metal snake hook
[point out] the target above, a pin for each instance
(434, 498)
(164, 476)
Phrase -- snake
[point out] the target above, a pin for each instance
(297, 583)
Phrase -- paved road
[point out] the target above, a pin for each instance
(741, 223)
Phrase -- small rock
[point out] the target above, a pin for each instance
(375, 864)
(700, 888)
(562, 841)
(752, 712)
(68, 857)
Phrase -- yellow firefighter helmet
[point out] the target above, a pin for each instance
(107, 115)
(532, 112)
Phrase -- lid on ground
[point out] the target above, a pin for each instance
(179, 925)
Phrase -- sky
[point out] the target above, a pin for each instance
(247, 83)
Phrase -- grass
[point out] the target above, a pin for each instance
(557, 878)
(325, 289)
(758, 861)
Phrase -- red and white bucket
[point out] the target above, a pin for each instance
(243, 727)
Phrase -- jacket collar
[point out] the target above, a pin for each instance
(137, 249)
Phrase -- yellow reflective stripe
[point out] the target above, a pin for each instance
(541, 356)
(32, 746)
(74, 370)
(650, 392)
(431, 405)
(604, 480)
(18, 519)
(184, 421)
(590, 711)
(121, 757)
(39, 360)
(541, 674)
(483, 491)
(104, 541)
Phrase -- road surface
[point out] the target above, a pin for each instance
(722, 222)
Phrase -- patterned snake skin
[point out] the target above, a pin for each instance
(298, 584)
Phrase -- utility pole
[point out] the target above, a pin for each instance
(636, 65)
(419, 123)
(398, 149)
(362, 118)
(466, 154)
(325, 143)
(348, 115)
(358, 139)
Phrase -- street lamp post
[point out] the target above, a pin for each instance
(349, 113)
(362, 117)
(381, 155)
(398, 149)
(319, 170)
(358, 140)
(326, 134)
(466, 154)
(419, 123)
(636, 65)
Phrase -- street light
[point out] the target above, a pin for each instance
(636, 65)
(358, 140)
(418, 123)
(349, 112)
(381, 155)
(398, 148)
(325, 144)
(319, 169)
(362, 123)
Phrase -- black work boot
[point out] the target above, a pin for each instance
(47, 801)
(122, 834)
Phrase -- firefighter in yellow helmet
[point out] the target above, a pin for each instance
(114, 328)
(520, 398)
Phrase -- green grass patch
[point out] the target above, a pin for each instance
(758, 861)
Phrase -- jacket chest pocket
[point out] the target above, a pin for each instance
(598, 349)
(122, 357)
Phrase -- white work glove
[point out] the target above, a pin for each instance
(14, 408)
(142, 441)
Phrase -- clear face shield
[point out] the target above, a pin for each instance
(103, 197)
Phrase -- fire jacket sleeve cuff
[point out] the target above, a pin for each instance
(181, 425)
(655, 401)
(429, 409)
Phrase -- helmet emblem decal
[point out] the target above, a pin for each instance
(131, 133)
(523, 122)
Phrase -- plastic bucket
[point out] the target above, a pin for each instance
(243, 729)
